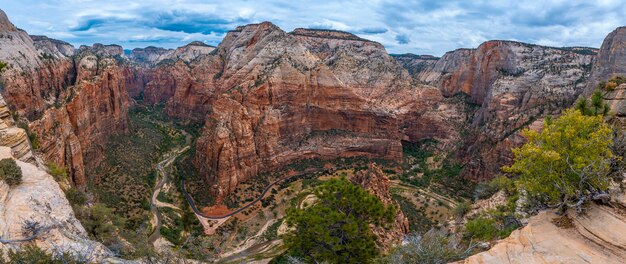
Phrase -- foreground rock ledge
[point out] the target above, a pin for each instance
(597, 237)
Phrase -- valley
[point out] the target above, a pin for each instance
(309, 146)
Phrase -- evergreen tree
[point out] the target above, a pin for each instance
(336, 228)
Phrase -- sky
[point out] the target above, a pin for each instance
(419, 27)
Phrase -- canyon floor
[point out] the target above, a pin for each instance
(149, 194)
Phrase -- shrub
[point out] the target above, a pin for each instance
(10, 172)
(597, 106)
(3, 66)
(461, 209)
(568, 162)
(34, 254)
(75, 196)
(481, 228)
(435, 247)
(58, 172)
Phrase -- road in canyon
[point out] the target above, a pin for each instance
(171, 156)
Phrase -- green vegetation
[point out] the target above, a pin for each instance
(567, 163)
(3, 66)
(486, 189)
(612, 83)
(100, 223)
(418, 220)
(596, 107)
(461, 209)
(31, 254)
(124, 180)
(434, 247)
(58, 172)
(336, 229)
(10, 172)
(481, 228)
(444, 179)
(272, 231)
(32, 136)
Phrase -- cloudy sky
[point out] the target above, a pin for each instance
(420, 27)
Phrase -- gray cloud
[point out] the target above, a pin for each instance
(416, 26)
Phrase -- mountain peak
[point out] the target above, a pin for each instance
(5, 23)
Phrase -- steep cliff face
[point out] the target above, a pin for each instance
(151, 56)
(71, 99)
(415, 63)
(74, 131)
(32, 78)
(280, 97)
(40, 199)
(512, 85)
(611, 60)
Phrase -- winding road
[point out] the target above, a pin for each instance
(157, 189)
(192, 204)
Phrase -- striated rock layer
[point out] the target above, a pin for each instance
(596, 237)
(281, 97)
(512, 84)
(40, 199)
(72, 100)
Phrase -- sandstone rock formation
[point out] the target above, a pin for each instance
(278, 97)
(12, 136)
(151, 56)
(611, 59)
(74, 131)
(377, 183)
(512, 85)
(415, 63)
(40, 199)
(596, 237)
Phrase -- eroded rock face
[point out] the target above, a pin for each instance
(52, 47)
(611, 60)
(596, 237)
(14, 137)
(151, 56)
(281, 97)
(40, 199)
(415, 63)
(95, 107)
(377, 183)
(72, 100)
(512, 84)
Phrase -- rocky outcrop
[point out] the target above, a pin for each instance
(415, 63)
(152, 56)
(12, 136)
(39, 199)
(74, 132)
(512, 84)
(611, 59)
(31, 79)
(595, 237)
(71, 100)
(377, 183)
(280, 97)
(52, 48)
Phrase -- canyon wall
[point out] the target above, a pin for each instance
(512, 84)
(281, 97)
(269, 98)
(71, 100)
